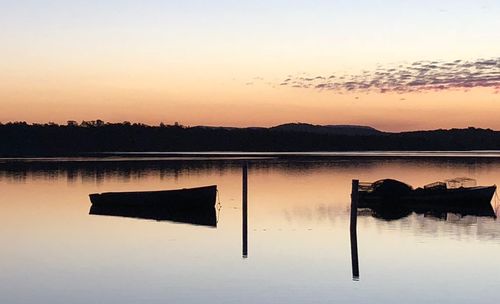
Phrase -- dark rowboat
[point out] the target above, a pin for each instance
(187, 198)
(193, 205)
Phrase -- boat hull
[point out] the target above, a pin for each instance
(191, 198)
(422, 198)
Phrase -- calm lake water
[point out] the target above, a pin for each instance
(299, 245)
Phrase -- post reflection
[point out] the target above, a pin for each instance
(245, 211)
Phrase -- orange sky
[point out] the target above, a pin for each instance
(253, 105)
(222, 65)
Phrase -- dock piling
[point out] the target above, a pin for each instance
(353, 229)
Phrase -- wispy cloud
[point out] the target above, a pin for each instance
(413, 77)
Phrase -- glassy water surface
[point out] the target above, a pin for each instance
(299, 245)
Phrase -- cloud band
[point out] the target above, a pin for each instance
(414, 77)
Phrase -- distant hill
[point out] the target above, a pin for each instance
(327, 129)
(308, 128)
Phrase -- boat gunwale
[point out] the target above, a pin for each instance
(157, 191)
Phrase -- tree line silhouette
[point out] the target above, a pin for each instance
(51, 139)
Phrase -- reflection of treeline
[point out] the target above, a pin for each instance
(98, 171)
(22, 139)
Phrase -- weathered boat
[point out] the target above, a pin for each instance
(458, 192)
(390, 199)
(187, 198)
(192, 205)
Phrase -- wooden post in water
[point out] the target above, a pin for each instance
(245, 211)
(353, 224)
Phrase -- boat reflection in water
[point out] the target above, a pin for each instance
(443, 212)
(194, 206)
(392, 200)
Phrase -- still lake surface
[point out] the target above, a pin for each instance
(299, 249)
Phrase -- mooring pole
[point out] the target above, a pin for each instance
(245, 210)
(353, 224)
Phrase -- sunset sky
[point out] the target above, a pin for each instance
(393, 65)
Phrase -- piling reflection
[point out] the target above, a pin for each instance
(245, 211)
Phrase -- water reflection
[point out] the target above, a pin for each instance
(465, 215)
(298, 210)
(444, 213)
(127, 170)
(205, 217)
(244, 209)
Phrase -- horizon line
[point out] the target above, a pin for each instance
(100, 123)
